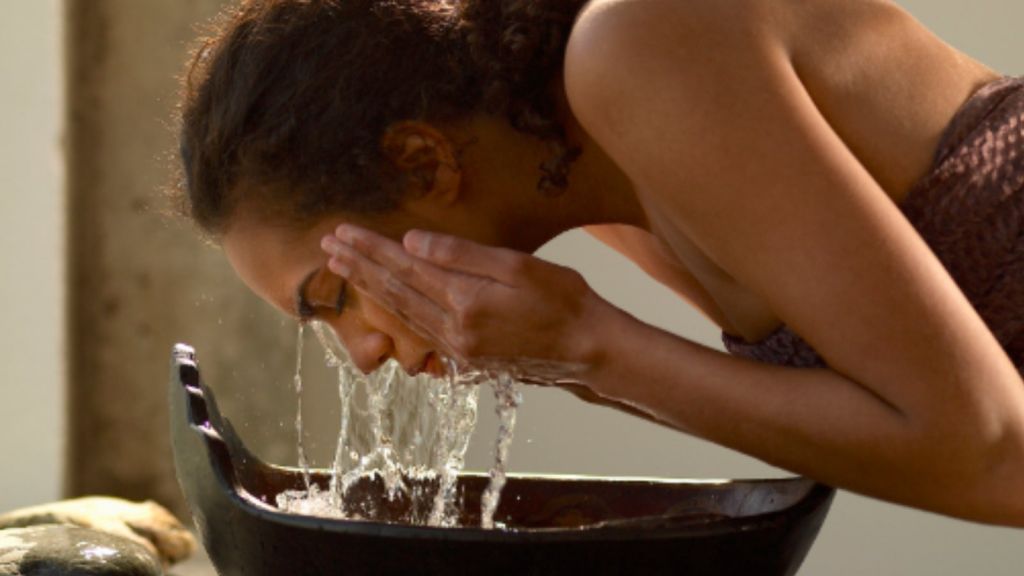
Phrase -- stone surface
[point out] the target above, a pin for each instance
(54, 550)
(147, 524)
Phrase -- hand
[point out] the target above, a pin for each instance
(479, 304)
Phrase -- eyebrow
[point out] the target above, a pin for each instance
(302, 308)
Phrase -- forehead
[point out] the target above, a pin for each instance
(273, 260)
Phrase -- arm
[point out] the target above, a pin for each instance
(921, 405)
(480, 303)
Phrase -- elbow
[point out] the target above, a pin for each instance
(1000, 490)
(976, 472)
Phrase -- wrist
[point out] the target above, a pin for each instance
(602, 325)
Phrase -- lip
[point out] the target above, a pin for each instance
(434, 366)
(418, 368)
(431, 364)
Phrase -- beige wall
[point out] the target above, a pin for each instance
(861, 537)
(31, 252)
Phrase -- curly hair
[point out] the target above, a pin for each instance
(292, 97)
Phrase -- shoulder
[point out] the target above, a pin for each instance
(608, 31)
(616, 43)
(622, 52)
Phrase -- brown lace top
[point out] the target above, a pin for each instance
(970, 211)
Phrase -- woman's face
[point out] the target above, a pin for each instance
(288, 269)
(488, 195)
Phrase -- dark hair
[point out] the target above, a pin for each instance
(292, 97)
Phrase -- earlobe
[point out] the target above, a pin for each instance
(447, 183)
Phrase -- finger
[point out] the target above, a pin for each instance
(453, 253)
(424, 277)
(414, 309)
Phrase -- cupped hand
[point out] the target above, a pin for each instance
(479, 304)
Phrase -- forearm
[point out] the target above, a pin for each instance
(815, 422)
(936, 423)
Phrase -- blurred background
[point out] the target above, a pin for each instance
(97, 285)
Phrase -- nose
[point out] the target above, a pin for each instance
(366, 346)
(372, 335)
(370, 350)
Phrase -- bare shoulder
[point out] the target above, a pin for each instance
(614, 40)
(863, 64)
(637, 19)
(615, 24)
(618, 46)
(607, 31)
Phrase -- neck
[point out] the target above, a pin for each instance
(599, 194)
(600, 190)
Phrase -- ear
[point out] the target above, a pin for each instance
(427, 158)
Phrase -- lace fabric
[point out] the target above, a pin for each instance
(969, 208)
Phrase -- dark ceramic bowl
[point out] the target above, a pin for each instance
(556, 525)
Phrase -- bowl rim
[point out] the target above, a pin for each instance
(228, 457)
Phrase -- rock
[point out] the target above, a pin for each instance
(55, 550)
(147, 524)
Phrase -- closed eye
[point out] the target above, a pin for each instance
(320, 290)
(303, 309)
(339, 302)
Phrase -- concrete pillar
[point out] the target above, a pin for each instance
(138, 280)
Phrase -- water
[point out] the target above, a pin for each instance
(345, 383)
(407, 435)
(455, 428)
(303, 461)
(507, 399)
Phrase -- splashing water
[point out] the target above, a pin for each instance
(456, 427)
(405, 433)
(507, 400)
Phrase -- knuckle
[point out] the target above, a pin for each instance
(574, 277)
(417, 269)
(470, 314)
(359, 243)
(443, 249)
(405, 270)
(518, 265)
(392, 290)
(360, 278)
(457, 299)
(391, 285)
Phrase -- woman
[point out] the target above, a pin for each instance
(829, 169)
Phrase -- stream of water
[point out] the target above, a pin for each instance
(303, 461)
(405, 432)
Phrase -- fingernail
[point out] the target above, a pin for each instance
(345, 233)
(339, 268)
(417, 242)
(330, 244)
